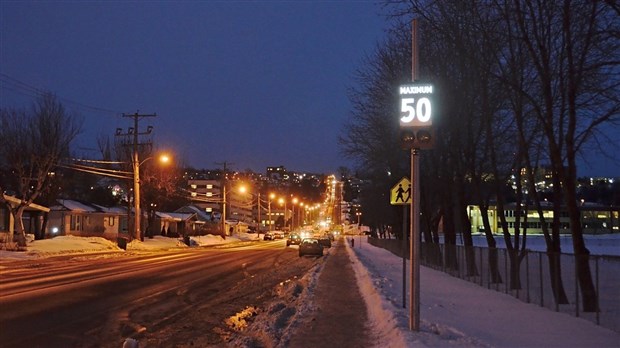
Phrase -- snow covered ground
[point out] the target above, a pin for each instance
(67, 245)
(599, 244)
(453, 312)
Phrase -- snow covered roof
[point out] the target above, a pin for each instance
(112, 210)
(80, 207)
(201, 214)
(75, 206)
(175, 216)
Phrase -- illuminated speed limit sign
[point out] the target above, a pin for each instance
(416, 116)
(416, 105)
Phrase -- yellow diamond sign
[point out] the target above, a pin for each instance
(400, 194)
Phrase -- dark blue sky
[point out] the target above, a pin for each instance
(254, 83)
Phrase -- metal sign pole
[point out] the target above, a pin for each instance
(405, 233)
(414, 252)
(414, 311)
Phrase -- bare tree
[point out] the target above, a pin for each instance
(574, 49)
(371, 135)
(33, 142)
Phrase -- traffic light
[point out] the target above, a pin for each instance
(418, 138)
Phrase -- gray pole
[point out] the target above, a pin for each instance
(405, 233)
(414, 253)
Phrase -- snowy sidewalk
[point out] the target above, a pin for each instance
(340, 314)
(456, 312)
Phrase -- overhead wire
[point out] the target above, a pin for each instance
(12, 84)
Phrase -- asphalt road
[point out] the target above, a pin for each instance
(164, 299)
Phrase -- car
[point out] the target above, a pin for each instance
(293, 239)
(310, 246)
(325, 241)
(278, 235)
(268, 236)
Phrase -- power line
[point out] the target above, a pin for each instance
(97, 161)
(23, 88)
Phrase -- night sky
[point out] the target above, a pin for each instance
(253, 83)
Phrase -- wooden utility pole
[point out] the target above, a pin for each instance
(135, 133)
(223, 190)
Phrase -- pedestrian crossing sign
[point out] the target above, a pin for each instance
(400, 194)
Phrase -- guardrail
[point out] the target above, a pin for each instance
(532, 279)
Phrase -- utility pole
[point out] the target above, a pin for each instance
(259, 221)
(223, 185)
(134, 132)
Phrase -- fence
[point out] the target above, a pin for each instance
(532, 279)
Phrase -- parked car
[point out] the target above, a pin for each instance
(293, 239)
(310, 246)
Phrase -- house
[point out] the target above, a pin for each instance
(32, 217)
(177, 224)
(70, 217)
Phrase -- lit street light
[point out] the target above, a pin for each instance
(295, 201)
(271, 197)
(282, 201)
(136, 187)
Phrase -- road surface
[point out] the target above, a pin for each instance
(167, 298)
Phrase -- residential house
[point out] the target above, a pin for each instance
(70, 217)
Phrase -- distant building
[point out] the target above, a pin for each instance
(277, 173)
(595, 219)
(208, 195)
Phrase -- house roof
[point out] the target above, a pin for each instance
(112, 210)
(175, 216)
(201, 214)
(80, 207)
(32, 206)
(68, 204)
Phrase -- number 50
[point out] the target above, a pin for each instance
(422, 109)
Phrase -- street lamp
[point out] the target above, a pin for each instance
(295, 201)
(163, 158)
(223, 215)
(243, 189)
(281, 200)
(271, 197)
(301, 214)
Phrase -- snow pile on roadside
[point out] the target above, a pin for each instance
(68, 245)
(274, 325)
(376, 270)
(382, 321)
